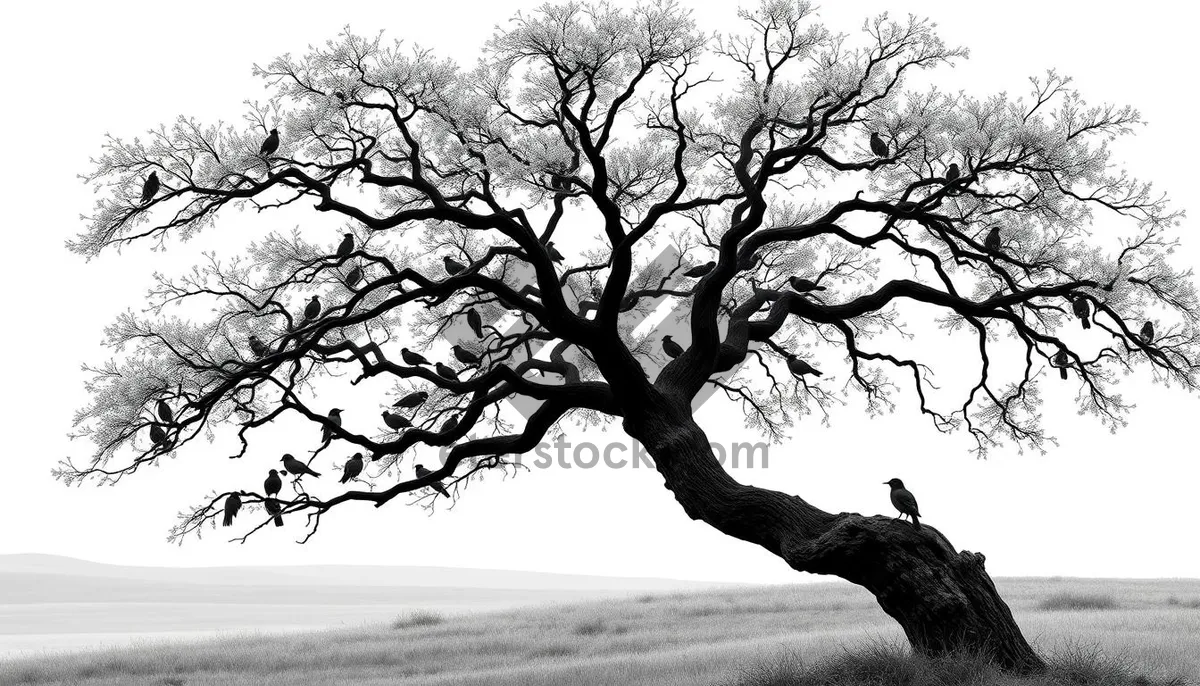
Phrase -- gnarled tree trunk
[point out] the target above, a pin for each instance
(943, 599)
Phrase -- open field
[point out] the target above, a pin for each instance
(659, 639)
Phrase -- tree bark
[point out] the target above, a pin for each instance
(943, 599)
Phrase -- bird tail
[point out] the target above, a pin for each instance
(315, 474)
(816, 372)
(344, 479)
(916, 522)
(278, 520)
(1086, 323)
(1062, 371)
(228, 521)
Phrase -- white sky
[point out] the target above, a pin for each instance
(1100, 505)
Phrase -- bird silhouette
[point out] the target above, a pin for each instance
(354, 276)
(452, 267)
(353, 468)
(164, 412)
(904, 501)
(150, 187)
(232, 504)
(450, 425)
(313, 308)
(802, 285)
(272, 483)
(671, 348)
(465, 356)
(475, 322)
(436, 485)
(878, 146)
(799, 367)
(992, 241)
(257, 347)
(952, 172)
(1081, 309)
(335, 416)
(1061, 361)
(395, 422)
(345, 247)
(1147, 333)
(158, 435)
(700, 270)
(749, 262)
(412, 358)
(274, 508)
(446, 372)
(412, 399)
(560, 182)
(297, 468)
(555, 255)
(270, 145)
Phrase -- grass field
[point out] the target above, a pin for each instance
(743, 636)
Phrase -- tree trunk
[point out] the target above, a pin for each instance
(943, 599)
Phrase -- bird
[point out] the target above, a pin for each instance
(345, 247)
(412, 358)
(671, 348)
(465, 356)
(799, 367)
(749, 262)
(232, 504)
(452, 267)
(313, 308)
(560, 182)
(257, 347)
(164, 412)
(446, 372)
(1147, 333)
(450, 425)
(395, 422)
(436, 485)
(150, 187)
(952, 172)
(353, 468)
(335, 416)
(274, 508)
(412, 399)
(296, 467)
(802, 285)
(272, 483)
(878, 146)
(1082, 310)
(270, 145)
(354, 276)
(992, 242)
(555, 255)
(1061, 361)
(700, 270)
(904, 501)
(475, 322)
(158, 435)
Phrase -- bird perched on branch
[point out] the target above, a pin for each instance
(353, 468)
(355, 275)
(411, 358)
(465, 356)
(952, 172)
(799, 367)
(802, 285)
(450, 425)
(555, 255)
(158, 435)
(700, 270)
(164, 412)
(232, 504)
(270, 145)
(475, 322)
(878, 146)
(446, 372)
(412, 399)
(436, 485)
(905, 502)
(1147, 335)
(297, 468)
(1061, 361)
(274, 508)
(671, 348)
(335, 416)
(345, 247)
(452, 266)
(313, 308)
(395, 422)
(150, 187)
(257, 347)
(992, 241)
(272, 483)
(1081, 309)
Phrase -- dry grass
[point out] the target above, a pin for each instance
(1078, 601)
(681, 639)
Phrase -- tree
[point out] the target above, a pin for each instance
(616, 133)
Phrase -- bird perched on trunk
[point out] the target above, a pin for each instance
(345, 247)
(232, 504)
(475, 322)
(164, 412)
(335, 416)
(1147, 333)
(158, 435)
(992, 241)
(1061, 361)
(799, 367)
(878, 146)
(412, 399)
(450, 425)
(1081, 309)
(445, 372)
(952, 172)
(904, 501)
(699, 271)
(436, 485)
(313, 308)
(801, 285)
(465, 356)
(555, 255)
(394, 421)
(671, 348)
(270, 145)
(274, 508)
(296, 468)
(411, 358)
(272, 483)
(257, 347)
(354, 276)
(452, 266)
(150, 187)
(353, 468)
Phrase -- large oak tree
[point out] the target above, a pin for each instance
(617, 133)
